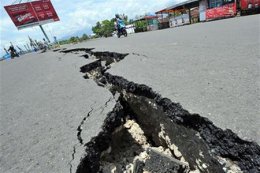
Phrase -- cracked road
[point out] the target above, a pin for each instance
(210, 68)
(43, 100)
(206, 67)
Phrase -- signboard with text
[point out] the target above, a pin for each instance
(31, 14)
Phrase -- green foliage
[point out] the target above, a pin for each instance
(141, 24)
(106, 27)
(97, 29)
(74, 39)
(84, 37)
(62, 42)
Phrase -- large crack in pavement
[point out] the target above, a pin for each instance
(146, 132)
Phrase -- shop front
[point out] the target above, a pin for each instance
(218, 9)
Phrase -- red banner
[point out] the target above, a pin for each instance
(249, 4)
(32, 13)
(22, 14)
(44, 10)
(227, 10)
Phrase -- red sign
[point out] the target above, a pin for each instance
(44, 10)
(249, 4)
(32, 13)
(226, 10)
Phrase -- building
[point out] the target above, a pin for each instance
(146, 23)
(183, 13)
(192, 11)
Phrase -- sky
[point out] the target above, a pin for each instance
(75, 16)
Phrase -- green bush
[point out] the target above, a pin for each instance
(141, 26)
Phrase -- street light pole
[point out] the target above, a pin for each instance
(44, 33)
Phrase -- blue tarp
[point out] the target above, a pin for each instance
(6, 56)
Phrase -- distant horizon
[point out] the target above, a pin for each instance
(75, 17)
(76, 34)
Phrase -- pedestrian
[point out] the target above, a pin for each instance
(13, 51)
(46, 44)
(56, 42)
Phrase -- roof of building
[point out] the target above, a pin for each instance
(178, 6)
(146, 18)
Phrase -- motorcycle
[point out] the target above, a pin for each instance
(122, 31)
(121, 28)
(14, 54)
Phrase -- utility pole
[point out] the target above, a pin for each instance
(44, 33)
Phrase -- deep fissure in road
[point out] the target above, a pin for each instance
(146, 132)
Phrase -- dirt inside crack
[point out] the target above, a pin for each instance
(148, 133)
(130, 151)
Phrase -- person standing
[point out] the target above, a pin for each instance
(56, 42)
(13, 51)
(46, 44)
(119, 22)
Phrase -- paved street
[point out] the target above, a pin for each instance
(209, 68)
(43, 100)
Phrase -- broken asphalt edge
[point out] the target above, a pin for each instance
(222, 143)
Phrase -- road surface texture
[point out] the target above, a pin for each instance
(210, 68)
(49, 111)
(43, 101)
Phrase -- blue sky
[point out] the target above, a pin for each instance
(76, 15)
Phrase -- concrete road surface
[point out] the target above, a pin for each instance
(209, 68)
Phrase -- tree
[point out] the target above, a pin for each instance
(84, 37)
(106, 27)
(141, 26)
(64, 42)
(97, 29)
(73, 39)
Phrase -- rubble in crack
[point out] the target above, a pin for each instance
(123, 146)
(130, 151)
(204, 146)
(148, 133)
